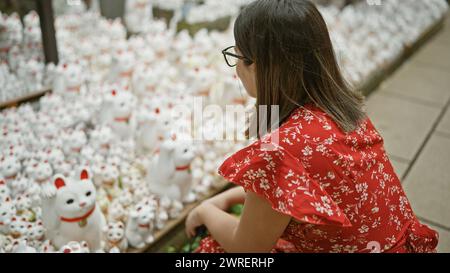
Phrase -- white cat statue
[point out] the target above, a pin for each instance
(139, 230)
(7, 212)
(107, 176)
(69, 80)
(137, 15)
(18, 227)
(73, 143)
(4, 191)
(169, 174)
(101, 138)
(123, 63)
(55, 155)
(75, 247)
(72, 214)
(46, 247)
(145, 81)
(63, 167)
(116, 212)
(41, 174)
(19, 185)
(23, 204)
(3, 243)
(21, 246)
(9, 168)
(117, 113)
(147, 135)
(115, 235)
(36, 234)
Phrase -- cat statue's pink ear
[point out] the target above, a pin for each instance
(84, 175)
(59, 182)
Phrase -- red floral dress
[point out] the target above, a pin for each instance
(340, 188)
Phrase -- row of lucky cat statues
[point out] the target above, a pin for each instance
(66, 132)
(72, 211)
(73, 215)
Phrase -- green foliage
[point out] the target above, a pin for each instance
(237, 209)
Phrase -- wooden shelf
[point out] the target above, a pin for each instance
(29, 97)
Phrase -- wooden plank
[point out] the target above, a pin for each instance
(29, 97)
(112, 9)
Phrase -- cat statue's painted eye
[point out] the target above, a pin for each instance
(88, 193)
(70, 201)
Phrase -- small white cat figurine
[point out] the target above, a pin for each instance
(115, 235)
(139, 230)
(9, 167)
(169, 174)
(21, 246)
(4, 191)
(36, 234)
(18, 227)
(72, 214)
(7, 212)
(41, 174)
(75, 247)
(117, 113)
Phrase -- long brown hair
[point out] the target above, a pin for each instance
(295, 62)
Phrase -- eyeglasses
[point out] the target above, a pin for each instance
(232, 58)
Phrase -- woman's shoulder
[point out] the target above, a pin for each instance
(310, 126)
(309, 129)
(272, 171)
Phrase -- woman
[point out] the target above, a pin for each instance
(328, 186)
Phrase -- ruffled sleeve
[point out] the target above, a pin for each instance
(282, 180)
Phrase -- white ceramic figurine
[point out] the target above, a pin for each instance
(72, 215)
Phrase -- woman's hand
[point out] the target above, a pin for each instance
(193, 220)
(221, 201)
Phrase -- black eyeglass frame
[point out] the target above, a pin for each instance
(225, 53)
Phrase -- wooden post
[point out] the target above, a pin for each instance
(112, 9)
(45, 11)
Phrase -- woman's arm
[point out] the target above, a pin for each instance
(257, 230)
(228, 198)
